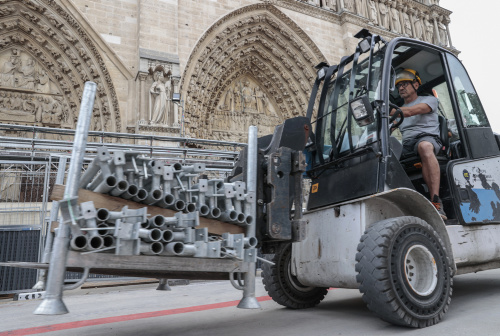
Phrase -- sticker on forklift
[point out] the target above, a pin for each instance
(29, 296)
(314, 188)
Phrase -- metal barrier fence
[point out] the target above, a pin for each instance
(37, 154)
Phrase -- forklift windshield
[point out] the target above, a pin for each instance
(338, 131)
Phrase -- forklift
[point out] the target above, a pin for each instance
(369, 223)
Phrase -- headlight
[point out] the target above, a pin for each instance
(362, 111)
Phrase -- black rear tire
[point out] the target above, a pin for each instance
(404, 272)
(283, 287)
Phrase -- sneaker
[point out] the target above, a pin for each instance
(436, 201)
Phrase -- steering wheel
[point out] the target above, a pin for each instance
(395, 116)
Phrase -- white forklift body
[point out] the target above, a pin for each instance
(327, 256)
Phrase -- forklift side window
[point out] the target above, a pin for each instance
(468, 101)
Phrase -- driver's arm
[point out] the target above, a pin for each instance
(409, 111)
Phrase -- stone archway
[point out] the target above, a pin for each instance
(253, 66)
(45, 58)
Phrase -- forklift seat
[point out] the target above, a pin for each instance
(411, 162)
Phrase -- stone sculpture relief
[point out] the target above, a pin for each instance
(419, 28)
(398, 16)
(244, 103)
(443, 34)
(349, 5)
(361, 8)
(26, 92)
(395, 22)
(373, 12)
(384, 14)
(45, 57)
(20, 71)
(407, 25)
(160, 96)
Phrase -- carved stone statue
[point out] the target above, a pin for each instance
(248, 96)
(25, 78)
(361, 8)
(329, 4)
(419, 28)
(349, 5)
(443, 34)
(7, 76)
(237, 98)
(407, 24)
(395, 22)
(429, 30)
(160, 96)
(261, 101)
(43, 81)
(384, 14)
(373, 12)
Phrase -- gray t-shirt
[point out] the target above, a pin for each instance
(427, 123)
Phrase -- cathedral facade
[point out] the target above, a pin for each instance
(204, 69)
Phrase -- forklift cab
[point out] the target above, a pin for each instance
(355, 154)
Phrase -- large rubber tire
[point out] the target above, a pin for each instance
(404, 272)
(283, 287)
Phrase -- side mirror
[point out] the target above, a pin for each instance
(362, 111)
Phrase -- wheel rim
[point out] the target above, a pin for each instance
(420, 270)
(292, 279)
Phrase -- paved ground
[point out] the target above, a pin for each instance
(209, 309)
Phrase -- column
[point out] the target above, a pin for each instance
(434, 16)
(176, 81)
(410, 14)
(400, 8)
(143, 98)
(341, 6)
(446, 22)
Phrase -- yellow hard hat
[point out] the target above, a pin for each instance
(407, 75)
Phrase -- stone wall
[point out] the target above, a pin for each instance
(233, 62)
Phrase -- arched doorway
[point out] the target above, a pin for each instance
(255, 66)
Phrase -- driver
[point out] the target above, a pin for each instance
(420, 130)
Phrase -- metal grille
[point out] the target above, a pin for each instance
(18, 243)
(23, 200)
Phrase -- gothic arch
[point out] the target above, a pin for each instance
(258, 42)
(50, 57)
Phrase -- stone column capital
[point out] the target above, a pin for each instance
(142, 76)
(434, 15)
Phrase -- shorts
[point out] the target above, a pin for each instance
(411, 146)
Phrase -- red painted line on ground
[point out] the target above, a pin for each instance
(122, 318)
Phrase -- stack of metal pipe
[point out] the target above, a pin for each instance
(131, 232)
(131, 176)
